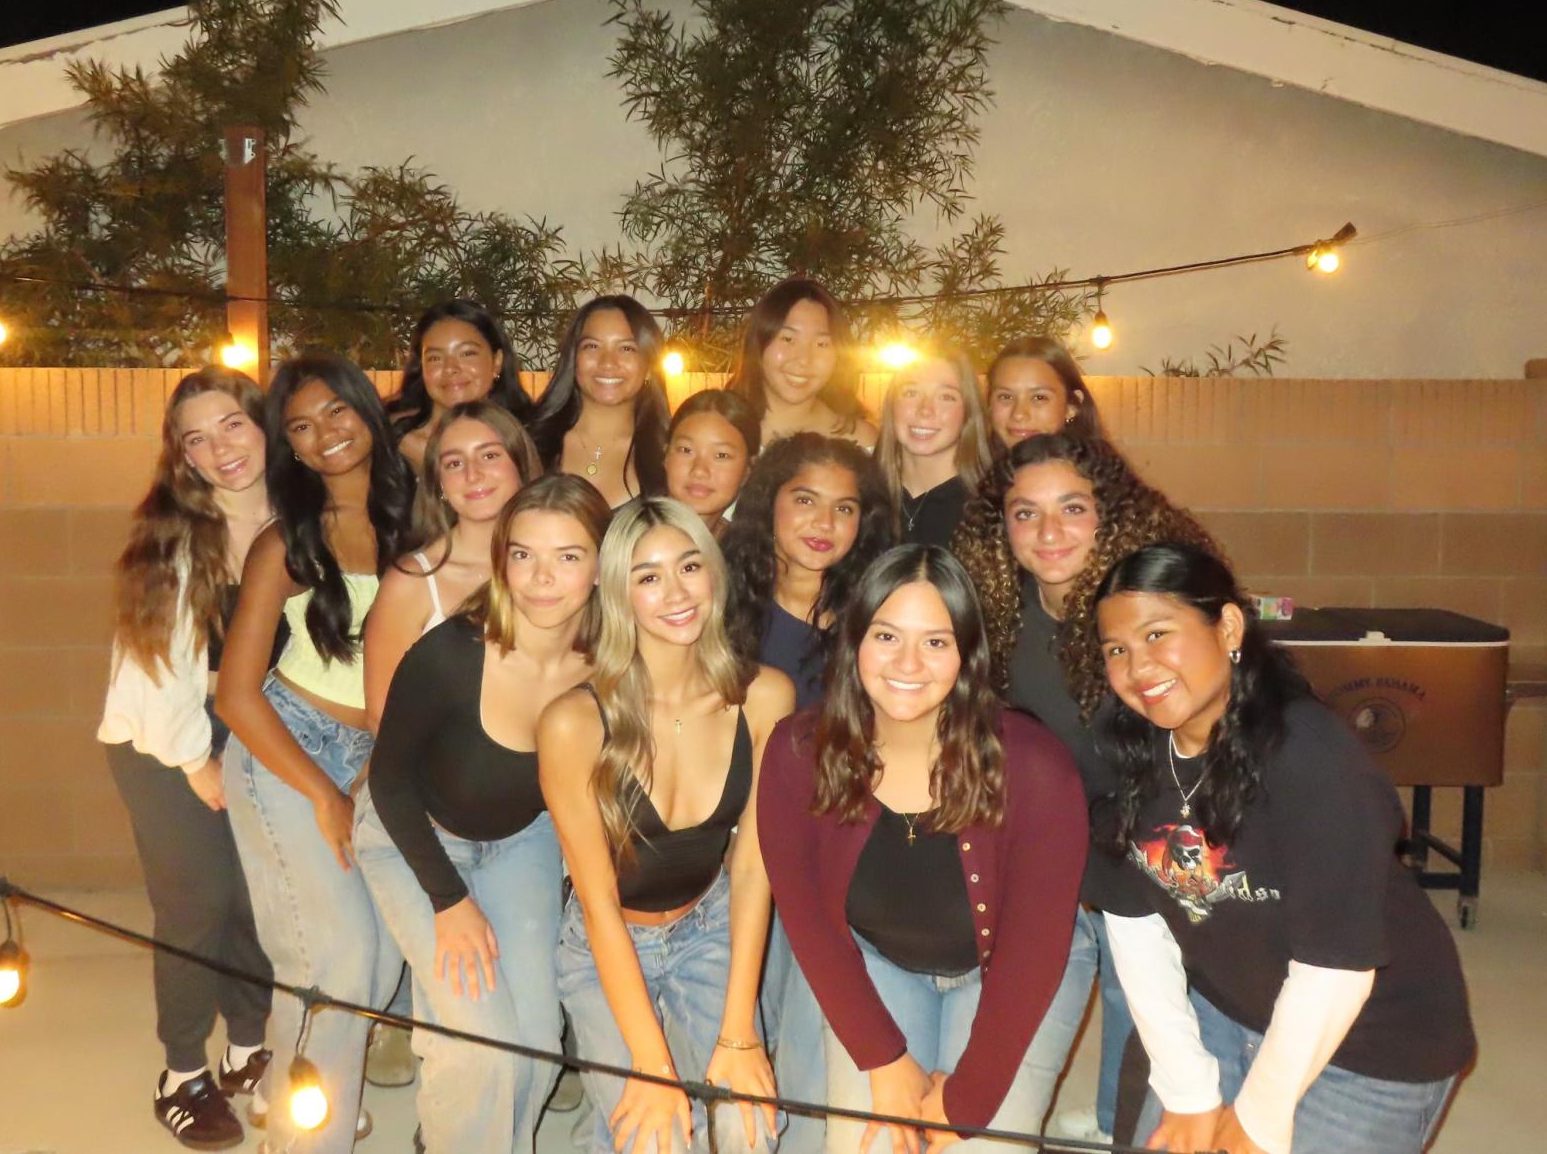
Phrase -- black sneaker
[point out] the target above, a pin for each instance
(198, 1115)
(245, 1080)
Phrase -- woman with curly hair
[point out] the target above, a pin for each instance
(175, 592)
(912, 830)
(1295, 989)
(1053, 516)
(813, 514)
(792, 368)
(604, 414)
(458, 353)
(299, 741)
(1035, 386)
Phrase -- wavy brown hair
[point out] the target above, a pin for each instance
(967, 780)
(1129, 515)
(177, 525)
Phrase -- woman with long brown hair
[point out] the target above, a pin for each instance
(454, 839)
(1035, 386)
(175, 592)
(647, 771)
(913, 830)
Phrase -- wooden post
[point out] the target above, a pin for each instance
(247, 264)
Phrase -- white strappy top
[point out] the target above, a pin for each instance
(439, 615)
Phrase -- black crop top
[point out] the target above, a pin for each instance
(671, 867)
(908, 898)
(434, 761)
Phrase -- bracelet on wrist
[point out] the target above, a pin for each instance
(664, 1070)
(737, 1043)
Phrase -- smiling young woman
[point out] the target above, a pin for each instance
(912, 831)
(647, 770)
(176, 586)
(1327, 1007)
(454, 839)
(933, 449)
(712, 443)
(299, 741)
(1035, 386)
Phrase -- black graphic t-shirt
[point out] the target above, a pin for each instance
(1311, 876)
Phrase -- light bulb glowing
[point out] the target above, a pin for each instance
(1101, 330)
(308, 1102)
(4, 332)
(235, 355)
(1328, 261)
(897, 355)
(13, 975)
(674, 363)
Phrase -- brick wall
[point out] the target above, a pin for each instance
(1409, 493)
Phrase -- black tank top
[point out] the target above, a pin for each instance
(671, 867)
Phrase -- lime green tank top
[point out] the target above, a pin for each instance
(302, 665)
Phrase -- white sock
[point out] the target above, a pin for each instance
(236, 1056)
(171, 1080)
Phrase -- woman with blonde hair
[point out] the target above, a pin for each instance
(647, 771)
(934, 446)
(454, 840)
(175, 593)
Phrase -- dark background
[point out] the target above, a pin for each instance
(1506, 34)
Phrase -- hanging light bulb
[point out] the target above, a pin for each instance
(4, 332)
(1100, 326)
(897, 355)
(1323, 256)
(236, 355)
(13, 974)
(308, 1100)
(674, 364)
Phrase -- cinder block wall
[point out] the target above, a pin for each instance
(1406, 493)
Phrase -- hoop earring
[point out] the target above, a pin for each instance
(1235, 657)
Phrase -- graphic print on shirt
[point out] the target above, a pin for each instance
(1194, 873)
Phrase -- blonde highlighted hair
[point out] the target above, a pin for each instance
(973, 453)
(624, 693)
(492, 607)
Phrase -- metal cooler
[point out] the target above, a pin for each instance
(1425, 691)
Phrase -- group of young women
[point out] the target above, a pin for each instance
(764, 746)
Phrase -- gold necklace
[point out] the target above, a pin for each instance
(593, 466)
(911, 819)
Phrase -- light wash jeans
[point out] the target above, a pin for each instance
(316, 921)
(473, 1099)
(793, 1025)
(1341, 1113)
(1090, 960)
(685, 966)
(936, 1015)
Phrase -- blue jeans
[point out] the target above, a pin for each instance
(685, 966)
(472, 1099)
(1342, 1111)
(793, 1025)
(1091, 959)
(936, 1015)
(316, 922)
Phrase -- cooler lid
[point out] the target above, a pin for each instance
(1352, 624)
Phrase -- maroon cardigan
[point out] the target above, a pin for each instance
(1023, 878)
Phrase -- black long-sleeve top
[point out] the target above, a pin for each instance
(434, 762)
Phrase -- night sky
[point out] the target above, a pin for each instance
(1491, 32)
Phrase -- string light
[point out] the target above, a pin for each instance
(308, 1100)
(1100, 326)
(236, 355)
(674, 364)
(13, 966)
(897, 355)
(1323, 255)
(4, 332)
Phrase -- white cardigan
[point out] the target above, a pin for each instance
(165, 721)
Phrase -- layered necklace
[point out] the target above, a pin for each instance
(1186, 794)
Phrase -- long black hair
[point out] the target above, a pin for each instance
(749, 542)
(412, 405)
(299, 495)
(558, 408)
(1262, 684)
